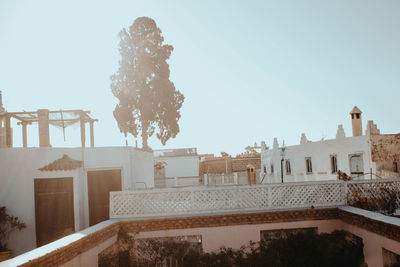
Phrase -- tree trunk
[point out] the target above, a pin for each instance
(145, 136)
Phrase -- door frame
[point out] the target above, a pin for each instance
(78, 193)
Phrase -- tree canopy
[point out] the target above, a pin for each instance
(148, 100)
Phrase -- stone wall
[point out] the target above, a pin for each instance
(385, 152)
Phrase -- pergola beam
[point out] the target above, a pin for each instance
(83, 135)
(78, 111)
(28, 117)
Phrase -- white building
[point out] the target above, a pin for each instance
(321, 160)
(56, 191)
(180, 167)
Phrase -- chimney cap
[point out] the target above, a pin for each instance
(355, 110)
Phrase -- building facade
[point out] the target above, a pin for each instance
(58, 191)
(359, 156)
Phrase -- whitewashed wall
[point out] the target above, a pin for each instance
(142, 169)
(181, 166)
(319, 152)
(19, 167)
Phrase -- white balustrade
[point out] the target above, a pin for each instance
(204, 200)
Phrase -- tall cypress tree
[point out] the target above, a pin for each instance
(148, 100)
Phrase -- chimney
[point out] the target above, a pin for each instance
(44, 134)
(356, 121)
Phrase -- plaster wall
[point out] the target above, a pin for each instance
(142, 169)
(215, 237)
(181, 182)
(181, 166)
(90, 257)
(319, 152)
(19, 167)
(373, 244)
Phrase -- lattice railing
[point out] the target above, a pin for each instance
(374, 190)
(184, 201)
(201, 200)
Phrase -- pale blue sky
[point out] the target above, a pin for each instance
(250, 70)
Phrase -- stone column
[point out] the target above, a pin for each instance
(24, 135)
(91, 134)
(7, 125)
(44, 132)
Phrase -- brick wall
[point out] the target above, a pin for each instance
(240, 164)
(228, 165)
(387, 230)
(67, 253)
(216, 165)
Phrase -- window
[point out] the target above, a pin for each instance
(357, 115)
(356, 164)
(270, 235)
(265, 169)
(287, 167)
(352, 116)
(333, 164)
(308, 165)
(272, 168)
(395, 167)
(390, 258)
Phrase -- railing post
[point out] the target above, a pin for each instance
(111, 206)
(269, 196)
(345, 192)
(192, 205)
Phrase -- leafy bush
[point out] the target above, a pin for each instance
(302, 249)
(310, 249)
(8, 224)
(386, 202)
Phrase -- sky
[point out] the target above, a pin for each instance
(250, 70)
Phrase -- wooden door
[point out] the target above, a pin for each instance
(100, 184)
(54, 209)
